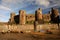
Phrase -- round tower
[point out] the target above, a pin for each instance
(38, 15)
(22, 17)
(12, 15)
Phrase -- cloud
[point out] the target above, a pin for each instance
(3, 11)
(51, 6)
(3, 16)
(42, 2)
(23, 3)
(15, 5)
(5, 8)
(53, 3)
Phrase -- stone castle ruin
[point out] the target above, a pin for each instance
(33, 22)
(24, 18)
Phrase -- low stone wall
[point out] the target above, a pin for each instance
(28, 27)
(45, 27)
(21, 27)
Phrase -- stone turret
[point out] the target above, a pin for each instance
(12, 17)
(54, 15)
(22, 17)
(56, 12)
(38, 15)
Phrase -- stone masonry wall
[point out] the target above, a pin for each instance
(22, 17)
(28, 27)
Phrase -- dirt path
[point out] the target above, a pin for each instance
(25, 36)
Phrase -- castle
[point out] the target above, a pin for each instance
(24, 18)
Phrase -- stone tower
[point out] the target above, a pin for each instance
(54, 15)
(56, 12)
(22, 17)
(38, 15)
(12, 18)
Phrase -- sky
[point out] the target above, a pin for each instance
(8, 6)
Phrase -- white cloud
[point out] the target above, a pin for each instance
(22, 3)
(4, 8)
(19, 3)
(42, 2)
(11, 5)
(3, 16)
(3, 12)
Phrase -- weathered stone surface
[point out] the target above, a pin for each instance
(46, 17)
(38, 15)
(29, 27)
(56, 12)
(54, 15)
(12, 17)
(22, 17)
(35, 25)
(30, 17)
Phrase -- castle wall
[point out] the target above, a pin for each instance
(22, 18)
(46, 17)
(30, 17)
(27, 17)
(18, 28)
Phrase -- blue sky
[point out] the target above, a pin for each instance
(8, 6)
